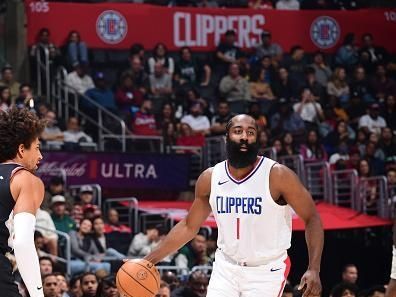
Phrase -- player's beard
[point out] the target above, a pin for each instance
(238, 158)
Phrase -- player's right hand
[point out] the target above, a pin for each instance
(310, 284)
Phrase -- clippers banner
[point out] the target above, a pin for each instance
(119, 25)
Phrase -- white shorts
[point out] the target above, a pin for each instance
(393, 271)
(232, 280)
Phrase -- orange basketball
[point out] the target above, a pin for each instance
(138, 278)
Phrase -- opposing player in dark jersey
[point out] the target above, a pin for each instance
(21, 194)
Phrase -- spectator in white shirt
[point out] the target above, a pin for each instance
(372, 122)
(52, 133)
(44, 220)
(73, 133)
(288, 5)
(308, 109)
(196, 120)
(79, 79)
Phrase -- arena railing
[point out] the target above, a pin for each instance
(215, 150)
(373, 196)
(75, 190)
(318, 180)
(344, 187)
(128, 209)
(207, 269)
(295, 163)
(392, 199)
(61, 97)
(67, 247)
(177, 269)
(197, 158)
(43, 67)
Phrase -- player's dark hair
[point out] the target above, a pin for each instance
(18, 126)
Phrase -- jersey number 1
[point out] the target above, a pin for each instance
(237, 228)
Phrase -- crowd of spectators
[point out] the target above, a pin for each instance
(339, 108)
(97, 253)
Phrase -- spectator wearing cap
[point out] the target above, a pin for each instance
(227, 52)
(86, 196)
(372, 121)
(45, 225)
(198, 122)
(288, 5)
(235, 89)
(56, 186)
(268, 48)
(63, 222)
(143, 243)
(7, 80)
(79, 80)
(322, 70)
(101, 93)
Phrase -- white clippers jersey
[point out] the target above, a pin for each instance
(251, 225)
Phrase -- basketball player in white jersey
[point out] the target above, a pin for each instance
(251, 198)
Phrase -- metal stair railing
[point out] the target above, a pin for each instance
(61, 96)
(373, 196)
(67, 259)
(344, 187)
(43, 66)
(295, 163)
(318, 180)
(131, 218)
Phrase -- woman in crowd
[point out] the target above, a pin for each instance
(85, 254)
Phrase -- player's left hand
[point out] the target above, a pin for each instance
(310, 284)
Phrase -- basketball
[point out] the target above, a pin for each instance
(138, 278)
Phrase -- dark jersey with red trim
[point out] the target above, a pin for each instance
(7, 203)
